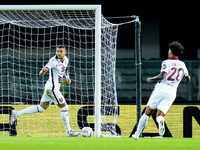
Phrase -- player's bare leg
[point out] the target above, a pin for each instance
(161, 122)
(149, 111)
(143, 122)
(30, 110)
(65, 119)
(44, 105)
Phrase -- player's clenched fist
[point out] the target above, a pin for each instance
(149, 80)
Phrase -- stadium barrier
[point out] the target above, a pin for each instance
(181, 121)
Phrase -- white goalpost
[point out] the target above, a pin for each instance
(29, 35)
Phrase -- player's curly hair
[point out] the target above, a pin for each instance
(176, 48)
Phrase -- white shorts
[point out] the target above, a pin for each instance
(161, 101)
(53, 96)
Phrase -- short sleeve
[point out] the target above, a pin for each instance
(164, 67)
(50, 64)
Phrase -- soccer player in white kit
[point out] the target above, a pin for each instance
(56, 67)
(164, 93)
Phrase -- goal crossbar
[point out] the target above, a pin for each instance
(49, 7)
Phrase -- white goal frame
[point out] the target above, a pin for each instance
(97, 9)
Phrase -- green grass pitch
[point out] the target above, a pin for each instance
(53, 143)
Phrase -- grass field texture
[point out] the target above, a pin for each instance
(54, 143)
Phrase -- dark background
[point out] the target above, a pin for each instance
(178, 20)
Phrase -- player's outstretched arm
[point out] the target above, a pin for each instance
(161, 76)
(44, 69)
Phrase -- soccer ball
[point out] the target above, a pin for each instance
(87, 132)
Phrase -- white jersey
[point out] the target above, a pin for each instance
(56, 71)
(175, 70)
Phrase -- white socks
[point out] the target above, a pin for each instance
(160, 118)
(142, 123)
(31, 110)
(65, 117)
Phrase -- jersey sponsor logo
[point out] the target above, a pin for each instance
(57, 65)
(59, 79)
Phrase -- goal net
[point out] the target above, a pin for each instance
(28, 39)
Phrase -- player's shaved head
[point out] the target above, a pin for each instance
(61, 46)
